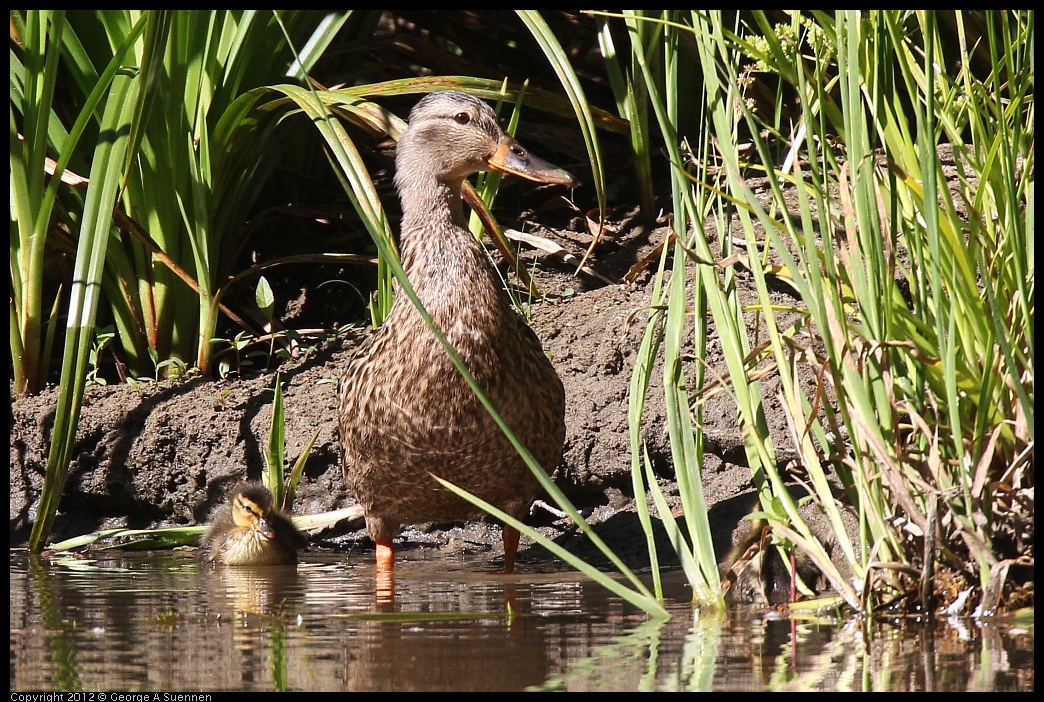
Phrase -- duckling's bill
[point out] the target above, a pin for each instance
(511, 157)
(264, 527)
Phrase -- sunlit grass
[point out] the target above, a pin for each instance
(931, 392)
(923, 392)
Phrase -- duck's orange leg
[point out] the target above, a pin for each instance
(385, 576)
(385, 557)
(510, 536)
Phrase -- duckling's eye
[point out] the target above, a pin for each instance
(249, 508)
(462, 118)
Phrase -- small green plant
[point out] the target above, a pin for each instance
(283, 487)
(101, 341)
(265, 300)
(241, 358)
(173, 369)
(221, 399)
(227, 366)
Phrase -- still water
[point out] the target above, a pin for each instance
(155, 621)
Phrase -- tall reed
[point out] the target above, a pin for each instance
(917, 289)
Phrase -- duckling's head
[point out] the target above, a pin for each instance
(252, 509)
(452, 135)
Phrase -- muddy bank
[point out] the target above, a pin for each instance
(168, 454)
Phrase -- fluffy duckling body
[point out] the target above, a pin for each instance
(250, 531)
(405, 411)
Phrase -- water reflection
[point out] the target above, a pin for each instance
(157, 621)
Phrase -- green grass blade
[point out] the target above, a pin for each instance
(632, 105)
(571, 83)
(272, 476)
(323, 36)
(154, 538)
(641, 375)
(296, 472)
(90, 258)
(639, 597)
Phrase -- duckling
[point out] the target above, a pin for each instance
(405, 412)
(250, 531)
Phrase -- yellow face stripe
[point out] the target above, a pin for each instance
(248, 506)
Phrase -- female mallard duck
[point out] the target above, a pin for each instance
(251, 531)
(406, 413)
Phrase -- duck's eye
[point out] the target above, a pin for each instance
(518, 151)
(250, 508)
(462, 118)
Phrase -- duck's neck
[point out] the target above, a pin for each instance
(432, 217)
(445, 263)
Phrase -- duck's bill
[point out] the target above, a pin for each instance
(265, 528)
(510, 157)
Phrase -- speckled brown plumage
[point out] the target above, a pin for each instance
(405, 410)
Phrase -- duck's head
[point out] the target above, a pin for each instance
(452, 135)
(252, 509)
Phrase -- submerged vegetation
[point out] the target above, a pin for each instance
(898, 150)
